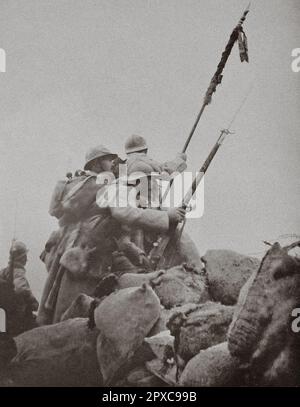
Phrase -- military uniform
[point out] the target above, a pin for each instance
(136, 148)
(20, 301)
(142, 225)
(79, 216)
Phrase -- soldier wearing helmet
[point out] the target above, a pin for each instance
(23, 302)
(136, 144)
(99, 159)
(16, 273)
(133, 201)
(74, 204)
(136, 149)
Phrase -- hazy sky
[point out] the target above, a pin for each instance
(84, 72)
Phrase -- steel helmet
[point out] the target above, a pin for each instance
(97, 152)
(135, 143)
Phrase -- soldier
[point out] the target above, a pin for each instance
(141, 225)
(137, 150)
(73, 203)
(20, 301)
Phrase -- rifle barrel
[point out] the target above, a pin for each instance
(186, 200)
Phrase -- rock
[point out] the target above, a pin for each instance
(63, 354)
(180, 285)
(227, 272)
(79, 308)
(213, 367)
(199, 328)
(124, 318)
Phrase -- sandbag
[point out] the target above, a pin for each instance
(227, 272)
(199, 328)
(123, 318)
(213, 367)
(180, 285)
(62, 354)
(166, 372)
(137, 279)
(79, 308)
(8, 351)
(69, 290)
(161, 345)
(139, 377)
(161, 323)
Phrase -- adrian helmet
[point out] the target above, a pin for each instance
(135, 143)
(97, 152)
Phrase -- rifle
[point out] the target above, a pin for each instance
(156, 255)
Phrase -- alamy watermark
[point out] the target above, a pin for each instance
(296, 322)
(152, 191)
(296, 62)
(2, 60)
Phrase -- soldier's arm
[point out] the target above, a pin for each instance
(176, 165)
(116, 199)
(148, 219)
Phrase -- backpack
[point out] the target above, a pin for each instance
(62, 188)
(73, 196)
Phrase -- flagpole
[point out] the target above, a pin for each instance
(217, 78)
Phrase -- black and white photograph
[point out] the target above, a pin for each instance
(150, 224)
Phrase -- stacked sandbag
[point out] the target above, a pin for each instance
(8, 351)
(227, 272)
(163, 364)
(161, 345)
(140, 377)
(199, 327)
(181, 285)
(63, 354)
(79, 308)
(161, 323)
(137, 279)
(212, 367)
(124, 318)
(262, 335)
